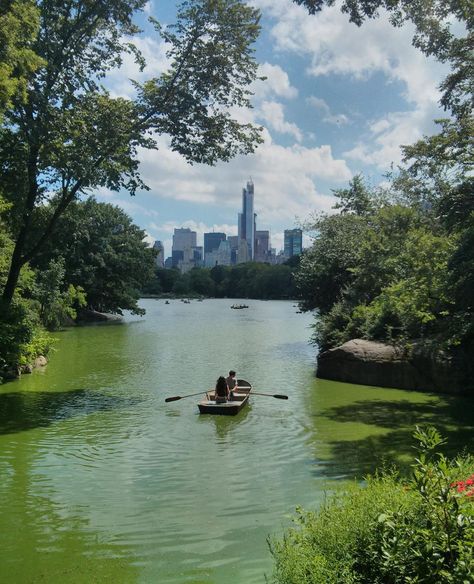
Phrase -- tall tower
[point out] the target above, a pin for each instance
(160, 254)
(246, 225)
(293, 242)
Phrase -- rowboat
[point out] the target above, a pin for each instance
(229, 408)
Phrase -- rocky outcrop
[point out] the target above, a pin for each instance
(86, 316)
(421, 368)
(16, 372)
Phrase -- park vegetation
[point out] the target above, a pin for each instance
(396, 264)
(391, 530)
(63, 136)
(247, 280)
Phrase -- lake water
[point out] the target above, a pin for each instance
(102, 481)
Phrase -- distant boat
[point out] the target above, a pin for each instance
(167, 302)
(239, 306)
(228, 408)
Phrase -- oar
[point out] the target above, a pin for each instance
(177, 397)
(277, 395)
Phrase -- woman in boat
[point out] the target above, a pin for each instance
(222, 391)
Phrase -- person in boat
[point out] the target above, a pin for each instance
(221, 391)
(231, 383)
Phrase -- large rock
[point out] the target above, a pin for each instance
(86, 316)
(421, 368)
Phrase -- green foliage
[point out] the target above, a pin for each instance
(22, 337)
(388, 531)
(395, 274)
(248, 280)
(57, 301)
(104, 257)
(19, 24)
(358, 198)
(327, 268)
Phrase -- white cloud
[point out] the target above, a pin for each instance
(148, 8)
(336, 46)
(272, 113)
(285, 180)
(386, 135)
(277, 82)
(328, 116)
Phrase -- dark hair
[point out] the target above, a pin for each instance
(231, 372)
(221, 387)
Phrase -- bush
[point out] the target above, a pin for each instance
(22, 338)
(388, 531)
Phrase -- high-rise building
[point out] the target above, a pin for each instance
(183, 239)
(262, 246)
(185, 253)
(160, 254)
(211, 245)
(212, 241)
(234, 246)
(293, 242)
(246, 225)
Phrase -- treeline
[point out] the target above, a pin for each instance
(96, 260)
(392, 267)
(249, 280)
(396, 264)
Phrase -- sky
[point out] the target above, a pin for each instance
(337, 101)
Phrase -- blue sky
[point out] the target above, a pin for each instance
(338, 100)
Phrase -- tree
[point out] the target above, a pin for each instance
(70, 136)
(103, 253)
(57, 301)
(327, 268)
(19, 24)
(356, 199)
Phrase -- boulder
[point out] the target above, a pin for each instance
(86, 316)
(40, 361)
(420, 367)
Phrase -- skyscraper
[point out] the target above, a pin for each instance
(262, 246)
(212, 241)
(183, 250)
(293, 242)
(160, 254)
(211, 245)
(246, 225)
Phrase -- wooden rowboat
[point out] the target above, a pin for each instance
(229, 408)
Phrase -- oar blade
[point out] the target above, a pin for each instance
(280, 396)
(174, 398)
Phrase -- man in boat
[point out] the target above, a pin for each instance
(231, 383)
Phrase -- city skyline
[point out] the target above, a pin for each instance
(219, 248)
(337, 100)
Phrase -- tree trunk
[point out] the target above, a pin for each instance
(18, 258)
(15, 267)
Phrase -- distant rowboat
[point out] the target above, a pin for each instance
(229, 408)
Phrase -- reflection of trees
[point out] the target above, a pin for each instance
(453, 416)
(21, 411)
(44, 539)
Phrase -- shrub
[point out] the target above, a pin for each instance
(22, 338)
(388, 531)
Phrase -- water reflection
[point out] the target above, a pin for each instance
(225, 425)
(21, 411)
(374, 427)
